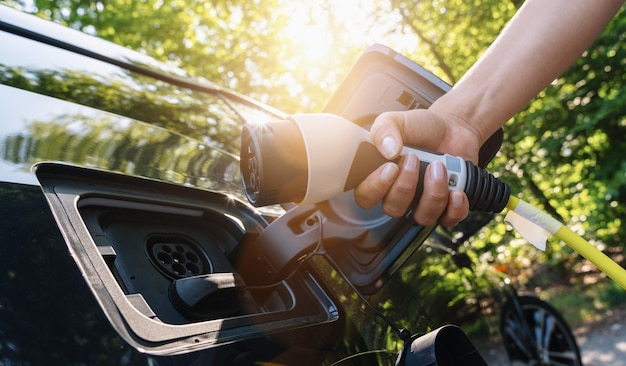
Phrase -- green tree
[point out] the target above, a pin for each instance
(240, 45)
(453, 33)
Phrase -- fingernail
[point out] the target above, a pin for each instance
(389, 173)
(436, 170)
(390, 147)
(457, 199)
(410, 162)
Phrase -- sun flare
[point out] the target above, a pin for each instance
(321, 26)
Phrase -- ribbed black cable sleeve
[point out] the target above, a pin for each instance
(485, 192)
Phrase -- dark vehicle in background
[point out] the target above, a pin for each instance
(126, 237)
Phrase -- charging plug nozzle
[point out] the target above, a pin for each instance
(309, 158)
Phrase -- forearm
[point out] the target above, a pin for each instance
(542, 40)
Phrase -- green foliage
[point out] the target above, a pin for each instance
(592, 302)
(612, 295)
(453, 33)
(569, 141)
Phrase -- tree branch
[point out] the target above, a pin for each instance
(441, 63)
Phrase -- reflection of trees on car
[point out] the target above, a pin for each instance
(205, 117)
(434, 292)
(123, 145)
(206, 120)
(429, 290)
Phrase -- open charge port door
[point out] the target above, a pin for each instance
(166, 262)
(175, 262)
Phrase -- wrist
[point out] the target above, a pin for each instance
(462, 111)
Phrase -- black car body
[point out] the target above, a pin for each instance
(124, 232)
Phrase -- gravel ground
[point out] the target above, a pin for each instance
(602, 343)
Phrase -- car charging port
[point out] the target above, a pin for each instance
(177, 256)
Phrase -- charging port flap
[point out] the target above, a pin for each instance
(163, 262)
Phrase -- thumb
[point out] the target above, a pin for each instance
(386, 133)
(418, 128)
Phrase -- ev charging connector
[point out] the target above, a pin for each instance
(309, 158)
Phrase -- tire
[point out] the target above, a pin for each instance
(545, 323)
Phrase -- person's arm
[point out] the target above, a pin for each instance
(541, 41)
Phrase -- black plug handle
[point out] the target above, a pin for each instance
(485, 192)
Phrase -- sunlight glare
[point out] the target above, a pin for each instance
(320, 26)
(310, 30)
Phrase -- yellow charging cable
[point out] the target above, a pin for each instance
(518, 208)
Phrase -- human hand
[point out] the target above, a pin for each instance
(395, 184)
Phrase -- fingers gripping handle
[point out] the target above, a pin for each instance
(484, 191)
(367, 159)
